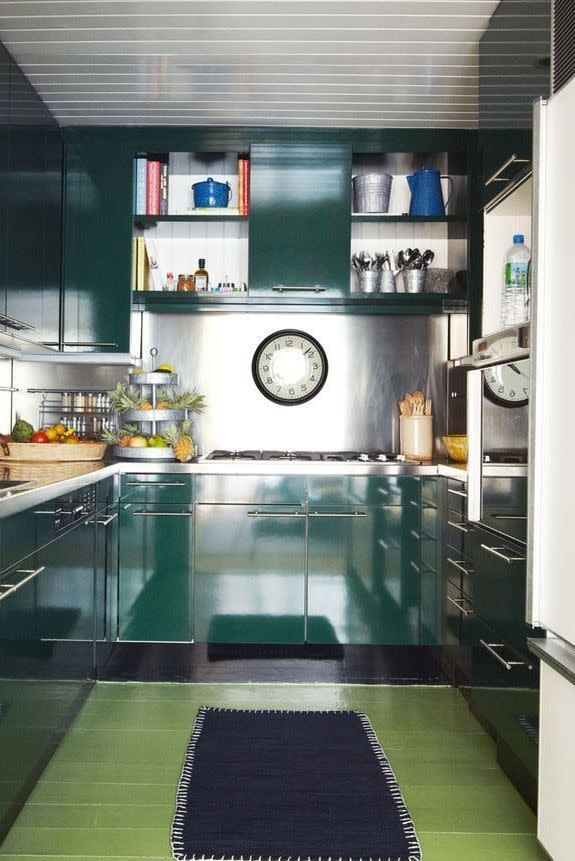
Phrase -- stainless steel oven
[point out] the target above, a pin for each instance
(497, 430)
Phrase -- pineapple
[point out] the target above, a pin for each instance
(180, 440)
(192, 401)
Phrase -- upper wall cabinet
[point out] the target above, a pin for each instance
(514, 71)
(300, 231)
(30, 206)
(97, 243)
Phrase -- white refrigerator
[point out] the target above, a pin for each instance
(551, 538)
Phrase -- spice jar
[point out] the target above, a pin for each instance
(182, 283)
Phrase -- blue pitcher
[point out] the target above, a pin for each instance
(426, 194)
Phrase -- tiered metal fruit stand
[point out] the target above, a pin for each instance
(150, 418)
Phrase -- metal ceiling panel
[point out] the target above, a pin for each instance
(349, 63)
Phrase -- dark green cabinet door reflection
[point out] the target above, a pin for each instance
(300, 225)
(362, 585)
(97, 248)
(249, 574)
(155, 578)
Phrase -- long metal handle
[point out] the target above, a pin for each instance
(338, 514)
(475, 444)
(496, 551)
(457, 492)
(13, 323)
(276, 514)
(9, 389)
(415, 534)
(492, 647)
(89, 344)
(162, 513)
(462, 610)
(458, 526)
(509, 516)
(155, 484)
(457, 564)
(13, 587)
(496, 177)
(297, 288)
(104, 521)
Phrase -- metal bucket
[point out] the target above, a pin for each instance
(369, 280)
(371, 192)
(414, 280)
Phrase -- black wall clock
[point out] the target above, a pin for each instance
(289, 367)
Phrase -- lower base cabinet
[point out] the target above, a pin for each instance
(155, 576)
(249, 574)
(362, 587)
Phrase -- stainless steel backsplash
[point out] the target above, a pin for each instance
(373, 361)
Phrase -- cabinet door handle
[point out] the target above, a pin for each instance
(497, 551)
(509, 516)
(462, 610)
(276, 514)
(492, 649)
(457, 493)
(459, 566)
(415, 534)
(415, 567)
(458, 526)
(297, 288)
(155, 484)
(13, 587)
(89, 344)
(340, 514)
(496, 177)
(413, 503)
(162, 513)
(105, 521)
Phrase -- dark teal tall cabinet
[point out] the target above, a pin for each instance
(31, 175)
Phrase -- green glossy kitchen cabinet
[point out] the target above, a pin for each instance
(106, 541)
(300, 224)
(430, 563)
(249, 573)
(155, 576)
(363, 559)
(97, 248)
(362, 587)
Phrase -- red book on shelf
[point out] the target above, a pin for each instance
(153, 169)
(241, 185)
(247, 187)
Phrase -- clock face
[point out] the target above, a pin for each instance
(508, 385)
(289, 367)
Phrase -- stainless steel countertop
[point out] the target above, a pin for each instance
(46, 481)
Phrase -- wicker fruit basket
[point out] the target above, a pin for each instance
(41, 452)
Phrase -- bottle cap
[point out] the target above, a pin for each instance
(518, 239)
(202, 263)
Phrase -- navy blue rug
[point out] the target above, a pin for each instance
(295, 786)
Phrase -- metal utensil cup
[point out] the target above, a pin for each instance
(387, 283)
(414, 280)
(369, 280)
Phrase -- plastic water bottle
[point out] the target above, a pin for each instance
(514, 308)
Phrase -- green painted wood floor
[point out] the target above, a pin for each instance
(108, 793)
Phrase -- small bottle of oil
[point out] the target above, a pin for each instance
(201, 277)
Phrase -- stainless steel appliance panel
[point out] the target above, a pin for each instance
(372, 360)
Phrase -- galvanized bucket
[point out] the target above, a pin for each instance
(371, 192)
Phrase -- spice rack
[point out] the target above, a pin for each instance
(87, 411)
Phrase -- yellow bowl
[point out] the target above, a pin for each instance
(456, 447)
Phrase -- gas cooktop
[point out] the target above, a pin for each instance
(317, 456)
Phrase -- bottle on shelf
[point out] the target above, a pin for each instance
(516, 271)
(201, 277)
(170, 282)
(185, 283)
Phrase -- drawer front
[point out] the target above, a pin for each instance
(248, 489)
(108, 491)
(457, 569)
(456, 497)
(457, 636)
(497, 663)
(429, 492)
(170, 488)
(18, 538)
(365, 490)
(458, 535)
(500, 586)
